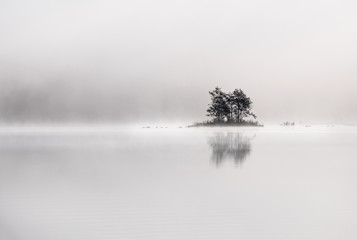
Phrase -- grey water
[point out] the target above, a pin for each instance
(178, 183)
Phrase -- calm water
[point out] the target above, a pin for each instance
(220, 183)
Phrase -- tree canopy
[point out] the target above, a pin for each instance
(232, 107)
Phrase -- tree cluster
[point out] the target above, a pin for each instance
(232, 107)
(288, 124)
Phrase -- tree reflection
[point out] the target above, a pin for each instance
(234, 146)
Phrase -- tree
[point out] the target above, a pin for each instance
(240, 105)
(219, 108)
(231, 107)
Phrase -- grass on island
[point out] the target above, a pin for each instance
(244, 123)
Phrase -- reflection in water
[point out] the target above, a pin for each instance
(233, 146)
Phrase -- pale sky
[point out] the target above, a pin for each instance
(157, 60)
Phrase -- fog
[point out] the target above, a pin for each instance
(137, 61)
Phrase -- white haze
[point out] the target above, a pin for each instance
(131, 61)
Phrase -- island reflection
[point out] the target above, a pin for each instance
(229, 146)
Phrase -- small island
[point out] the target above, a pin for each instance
(229, 109)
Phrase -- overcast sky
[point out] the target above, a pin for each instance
(156, 60)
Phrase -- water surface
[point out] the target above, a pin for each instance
(189, 183)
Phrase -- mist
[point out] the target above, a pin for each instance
(137, 61)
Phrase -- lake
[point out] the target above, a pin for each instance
(178, 183)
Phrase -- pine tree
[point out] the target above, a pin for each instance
(218, 109)
(240, 105)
